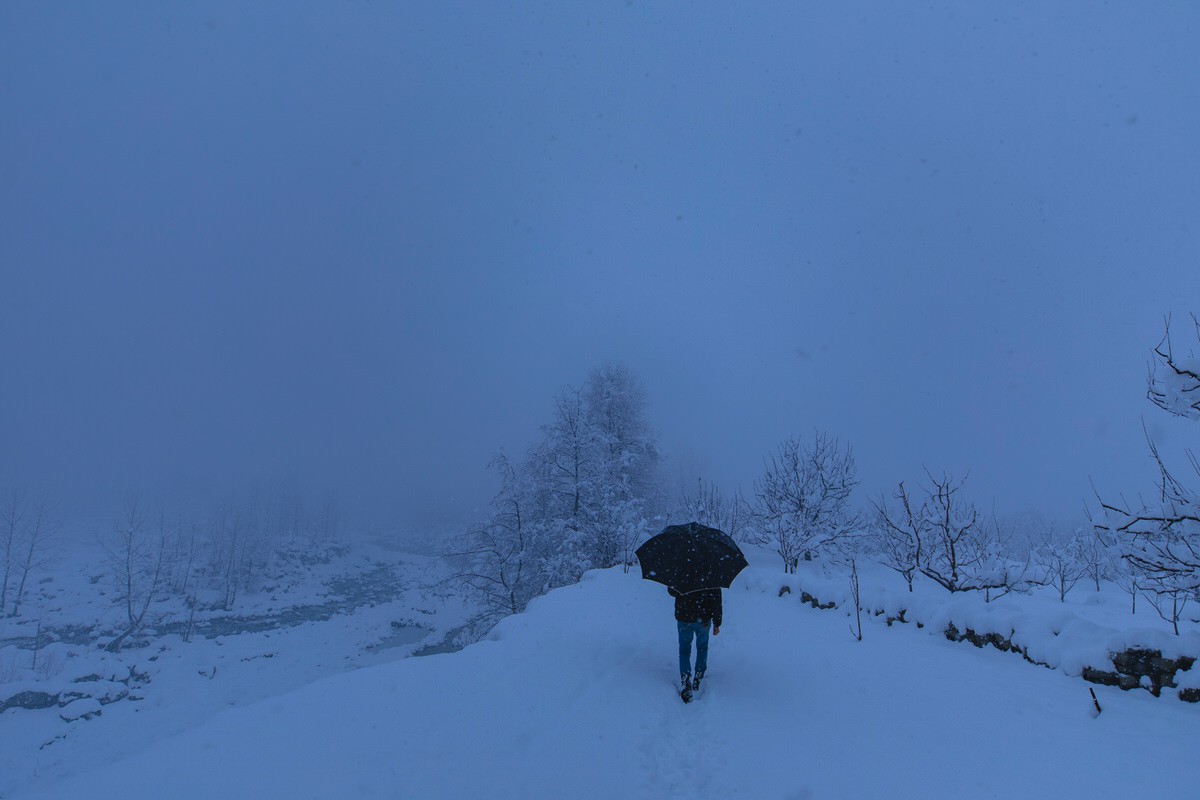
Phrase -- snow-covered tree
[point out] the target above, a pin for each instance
(36, 550)
(950, 525)
(596, 470)
(505, 558)
(802, 500)
(1161, 538)
(12, 527)
(614, 402)
(1062, 560)
(1129, 578)
(239, 547)
(898, 535)
(136, 556)
(947, 540)
(708, 506)
(1098, 554)
(587, 493)
(1174, 381)
(627, 485)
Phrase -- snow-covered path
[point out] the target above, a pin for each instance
(576, 699)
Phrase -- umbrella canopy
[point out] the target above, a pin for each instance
(691, 557)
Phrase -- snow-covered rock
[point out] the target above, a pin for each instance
(83, 708)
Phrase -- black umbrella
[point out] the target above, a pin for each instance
(690, 557)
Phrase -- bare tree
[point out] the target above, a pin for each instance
(951, 524)
(948, 541)
(240, 551)
(1129, 579)
(328, 524)
(856, 596)
(1098, 555)
(290, 516)
(36, 548)
(899, 535)
(503, 560)
(1170, 605)
(136, 558)
(15, 507)
(802, 499)
(188, 543)
(999, 565)
(849, 551)
(1061, 560)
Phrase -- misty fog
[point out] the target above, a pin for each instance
(354, 250)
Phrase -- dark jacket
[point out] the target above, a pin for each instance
(701, 606)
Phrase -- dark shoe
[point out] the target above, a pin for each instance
(696, 681)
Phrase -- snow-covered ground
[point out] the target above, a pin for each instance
(576, 698)
(352, 606)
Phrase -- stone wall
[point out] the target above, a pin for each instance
(1130, 669)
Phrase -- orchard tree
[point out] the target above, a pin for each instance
(803, 498)
(1130, 579)
(1062, 560)
(899, 534)
(1161, 539)
(1174, 381)
(1099, 555)
(952, 525)
(943, 536)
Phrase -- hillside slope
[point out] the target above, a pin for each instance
(575, 698)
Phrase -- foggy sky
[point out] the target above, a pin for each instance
(360, 245)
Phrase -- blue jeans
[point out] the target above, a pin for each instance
(686, 631)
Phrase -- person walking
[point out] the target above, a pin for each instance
(694, 562)
(694, 612)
